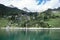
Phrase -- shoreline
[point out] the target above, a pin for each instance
(25, 28)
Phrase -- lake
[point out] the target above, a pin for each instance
(41, 34)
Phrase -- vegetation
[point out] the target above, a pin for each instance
(19, 18)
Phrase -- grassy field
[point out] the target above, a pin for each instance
(54, 22)
(3, 22)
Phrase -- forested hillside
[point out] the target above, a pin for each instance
(15, 17)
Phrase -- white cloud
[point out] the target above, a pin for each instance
(50, 4)
(32, 4)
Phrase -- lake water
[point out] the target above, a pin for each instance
(30, 34)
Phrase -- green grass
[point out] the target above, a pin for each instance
(54, 22)
(57, 14)
(3, 22)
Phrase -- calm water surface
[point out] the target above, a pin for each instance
(30, 34)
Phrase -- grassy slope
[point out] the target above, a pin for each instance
(55, 22)
(3, 22)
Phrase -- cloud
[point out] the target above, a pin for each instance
(33, 5)
(50, 4)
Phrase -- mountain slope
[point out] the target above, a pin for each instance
(9, 11)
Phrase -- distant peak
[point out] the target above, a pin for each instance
(11, 6)
(26, 9)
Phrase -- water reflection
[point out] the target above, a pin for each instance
(30, 35)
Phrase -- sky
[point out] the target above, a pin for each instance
(32, 5)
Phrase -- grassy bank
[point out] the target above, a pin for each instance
(3, 22)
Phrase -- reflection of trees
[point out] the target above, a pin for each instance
(30, 35)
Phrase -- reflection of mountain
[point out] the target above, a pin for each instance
(30, 35)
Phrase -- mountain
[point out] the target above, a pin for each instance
(11, 6)
(4, 10)
(52, 10)
(25, 9)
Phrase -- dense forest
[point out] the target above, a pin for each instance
(15, 17)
